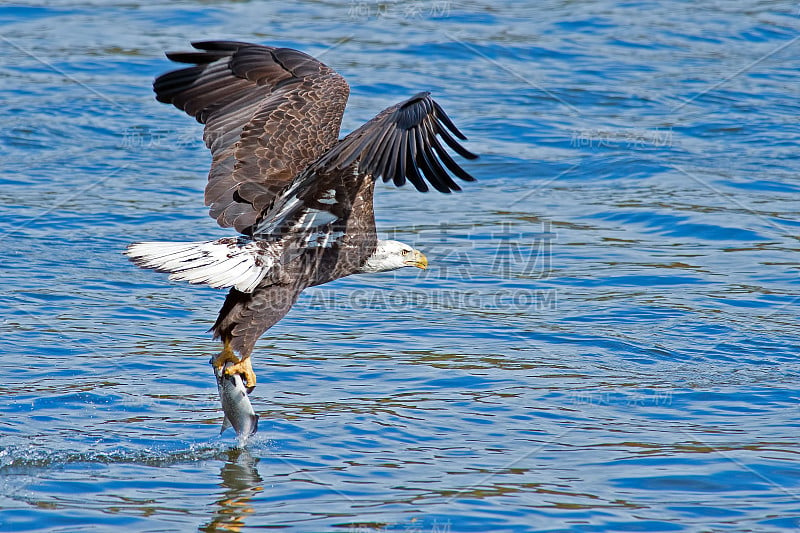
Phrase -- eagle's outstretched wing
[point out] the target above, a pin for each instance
(401, 142)
(268, 113)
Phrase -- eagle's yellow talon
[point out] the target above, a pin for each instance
(244, 367)
(224, 357)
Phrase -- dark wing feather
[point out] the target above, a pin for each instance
(268, 113)
(331, 201)
(403, 143)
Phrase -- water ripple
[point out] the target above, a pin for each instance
(606, 339)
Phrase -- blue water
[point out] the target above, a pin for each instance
(607, 339)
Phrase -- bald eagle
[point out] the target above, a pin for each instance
(300, 197)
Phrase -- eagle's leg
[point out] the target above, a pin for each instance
(244, 367)
(238, 366)
(225, 356)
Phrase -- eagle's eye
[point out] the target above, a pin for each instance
(404, 252)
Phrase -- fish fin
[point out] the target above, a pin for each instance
(255, 425)
(225, 424)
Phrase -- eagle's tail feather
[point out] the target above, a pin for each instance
(239, 263)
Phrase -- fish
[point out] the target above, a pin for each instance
(236, 405)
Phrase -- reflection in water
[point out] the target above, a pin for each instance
(241, 481)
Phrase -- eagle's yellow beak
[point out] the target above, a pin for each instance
(420, 261)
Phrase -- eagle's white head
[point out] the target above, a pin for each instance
(391, 255)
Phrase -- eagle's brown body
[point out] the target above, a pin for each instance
(245, 317)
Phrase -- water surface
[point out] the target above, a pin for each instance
(607, 339)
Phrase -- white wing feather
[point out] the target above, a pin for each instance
(238, 263)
